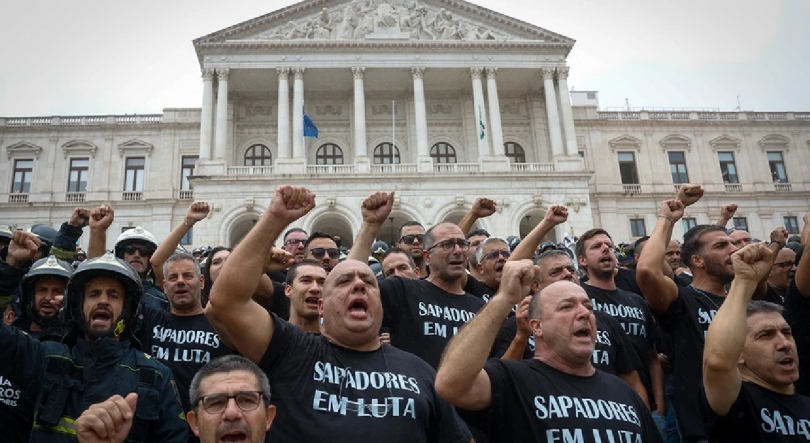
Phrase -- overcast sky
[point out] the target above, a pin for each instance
(82, 57)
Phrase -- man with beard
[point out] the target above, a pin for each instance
(304, 290)
(750, 364)
(182, 339)
(782, 273)
(343, 382)
(322, 248)
(96, 359)
(597, 256)
(685, 313)
(412, 240)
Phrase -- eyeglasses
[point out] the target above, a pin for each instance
(318, 253)
(450, 244)
(143, 250)
(294, 242)
(409, 239)
(245, 400)
(495, 254)
(785, 264)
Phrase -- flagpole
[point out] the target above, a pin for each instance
(393, 125)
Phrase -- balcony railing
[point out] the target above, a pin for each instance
(132, 196)
(18, 197)
(398, 168)
(702, 115)
(533, 167)
(74, 197)
(330, 169)
(186, 194)
(250, 170)
(84, 120)
(733, 187)
(455, 167)
(782, 187)
(631, 189)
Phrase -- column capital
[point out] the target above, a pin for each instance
(562, 72)
(418, 71)
(282, 73)
(298, 72)
(358, 72)
(492, 72)
(222, 74)
(548, 73)
(475, 73)
(207, 74)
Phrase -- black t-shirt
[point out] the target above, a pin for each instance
(626, 279)
(16, 406)
(281, 303)
(324, 392)
(797, 314)
(775, 295)
(759, 415)
(687, 321)
(532, 401)
(422, 318)
(683, 279)
(479, 289)
(633, 313)
(183, 343)
(613, 353)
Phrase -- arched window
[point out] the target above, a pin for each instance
(386, 154)
(258, 155)
(329, 154)
(514, 152)
(443, 153)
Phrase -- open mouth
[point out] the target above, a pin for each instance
(100, 317)
(358, 309)
(606, 259)
(787, 363)
(583, 332)
(312, 302)
(499, 266)
(234, 436)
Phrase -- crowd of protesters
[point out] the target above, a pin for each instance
(447, 335)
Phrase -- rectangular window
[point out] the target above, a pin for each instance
(777, 164)
(740, 223)
(791, 224)
(186, 171)
(677, 166)
(727, 167)
(188, 238)
(688, 223)
(627, 168)
(133, 174)
(77, 176)
(637, 227)
(23, 170)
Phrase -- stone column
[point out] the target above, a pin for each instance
(221, 145)
(361, 160)
(283, 113)
(480, 114)
(571, 148)
(423, 160)
(553, 115)
(207, 117)
(298, 114)
(494, 113)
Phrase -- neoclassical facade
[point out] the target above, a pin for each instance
(442, 101)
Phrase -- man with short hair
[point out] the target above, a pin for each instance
(399, 262)
(475, 238)
(321, 247)
(304, 288)
(491, 256)
(343, 382)
(412, 240)
(294, 240)
(539, 399)
(750, 364)
(782, 273)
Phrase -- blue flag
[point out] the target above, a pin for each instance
(310, 130)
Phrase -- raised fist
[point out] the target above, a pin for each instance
(556, 214)
(291, 203)
(517, 278)
(107, 422)
(102, 217)
(689, 194)
(24, 246)
(779, 235)
(672, 209)
(484, 207)
(197, 211)
(279, 260)
(728, 211)
(79, 218)
(753, 262)
(377, 206)
(522, 317)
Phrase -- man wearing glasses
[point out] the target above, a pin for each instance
(782, 273)
(294, 240)
(422, 315)
(322, 248)
(213, 417)
(412, 241)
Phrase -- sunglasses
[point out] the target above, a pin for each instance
(495, 254)
(318, 253)
(143, 250)
(409, 239)
(449, 245)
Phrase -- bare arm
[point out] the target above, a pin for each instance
(231, 307)
(657, 381)
(375, 209)
(483, 207)
(461, 378)
(802, 278)
(555, 215)
(100, 220)
(726, 336)
(196, 212)
(659, 290)
(518, 346)
(726, 213)
(632, 378)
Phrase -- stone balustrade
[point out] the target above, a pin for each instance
(703, 116)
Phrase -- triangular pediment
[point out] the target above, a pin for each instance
(23, 149)
(370, 20)
(135, 147)
(675, 140)
(725, 140)
(625, 141)
(79, 147)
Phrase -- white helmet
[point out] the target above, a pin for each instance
(135, 235)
